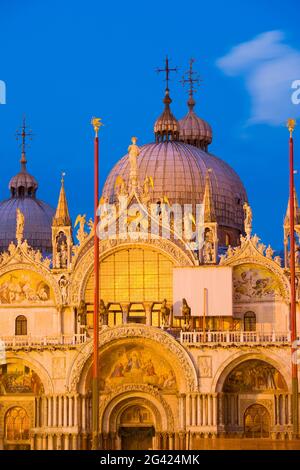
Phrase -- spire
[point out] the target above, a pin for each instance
(22, 134)
(166, 126)
(193, 130)
(297, 211)
(62, 216)
(209, 206)
(192, 78)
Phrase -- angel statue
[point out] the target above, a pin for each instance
(133, 152)
(20, 226)
(248, 219)
(81, 234)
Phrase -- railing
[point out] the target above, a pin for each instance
(233, 337)
(35, 341)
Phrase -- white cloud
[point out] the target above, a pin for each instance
(269, 67)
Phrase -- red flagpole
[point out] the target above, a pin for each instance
(293, 324)
(95, 376)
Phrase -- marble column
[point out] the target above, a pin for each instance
(76, 410)
(83, 413)
(65, 399)
(148, 307)
(70, 410)
(125, 313)
(49, 400)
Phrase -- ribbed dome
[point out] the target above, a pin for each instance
(38, 220)
(194, 130)
(179, 172)
(38, 215)
(23, 180)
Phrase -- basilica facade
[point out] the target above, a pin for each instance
(170, 373)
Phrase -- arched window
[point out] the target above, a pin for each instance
(227, 239)
(21, 191)
(17, 424)
(21, 325)
(249, 321)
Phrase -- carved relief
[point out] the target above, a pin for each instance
(205, 366)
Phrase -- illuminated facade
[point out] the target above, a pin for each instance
(167, 379)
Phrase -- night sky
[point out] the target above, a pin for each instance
(64, 62)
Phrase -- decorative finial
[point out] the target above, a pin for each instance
(167, 70)
(22, 134)
(20, 226)
(291, 124)
(96, 123)
(192, 78)
(63, 174)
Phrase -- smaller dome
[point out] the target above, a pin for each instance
(166, 126)
(193, 130)
(23, 184)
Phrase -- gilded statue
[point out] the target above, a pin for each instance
(248, 219)
(82, 313)
(133, 152)
(64, 288)
(103, 313)
(81, 234)
(20, 226)
(165, 314)
(269, 252)
(186, 313)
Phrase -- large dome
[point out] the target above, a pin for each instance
(38, 220)
(179, 171)
(38, 215)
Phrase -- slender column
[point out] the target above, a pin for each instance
(83, 413)
(278, 408)
(76, 410)
(49, 411)
(65, 398)
(188, 410)
(147, 307)
(44, 411)
(289, 409)
(209, 410)
(60, 410)
(70, 410)
(59, 441)
(44, 440)
(198, 406)
(181, 411)
(54, 422)
(66, 442)
(215, 409)
(204, 410)
(171, 441)
(125, 313)
(50, 441)
(74, 441)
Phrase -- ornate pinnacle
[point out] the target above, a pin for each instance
(291, 124)
(96, 123)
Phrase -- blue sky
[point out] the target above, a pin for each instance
(64, 62)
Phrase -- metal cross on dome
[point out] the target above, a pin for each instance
(167, 71)
(191, 77)
(22, 134)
